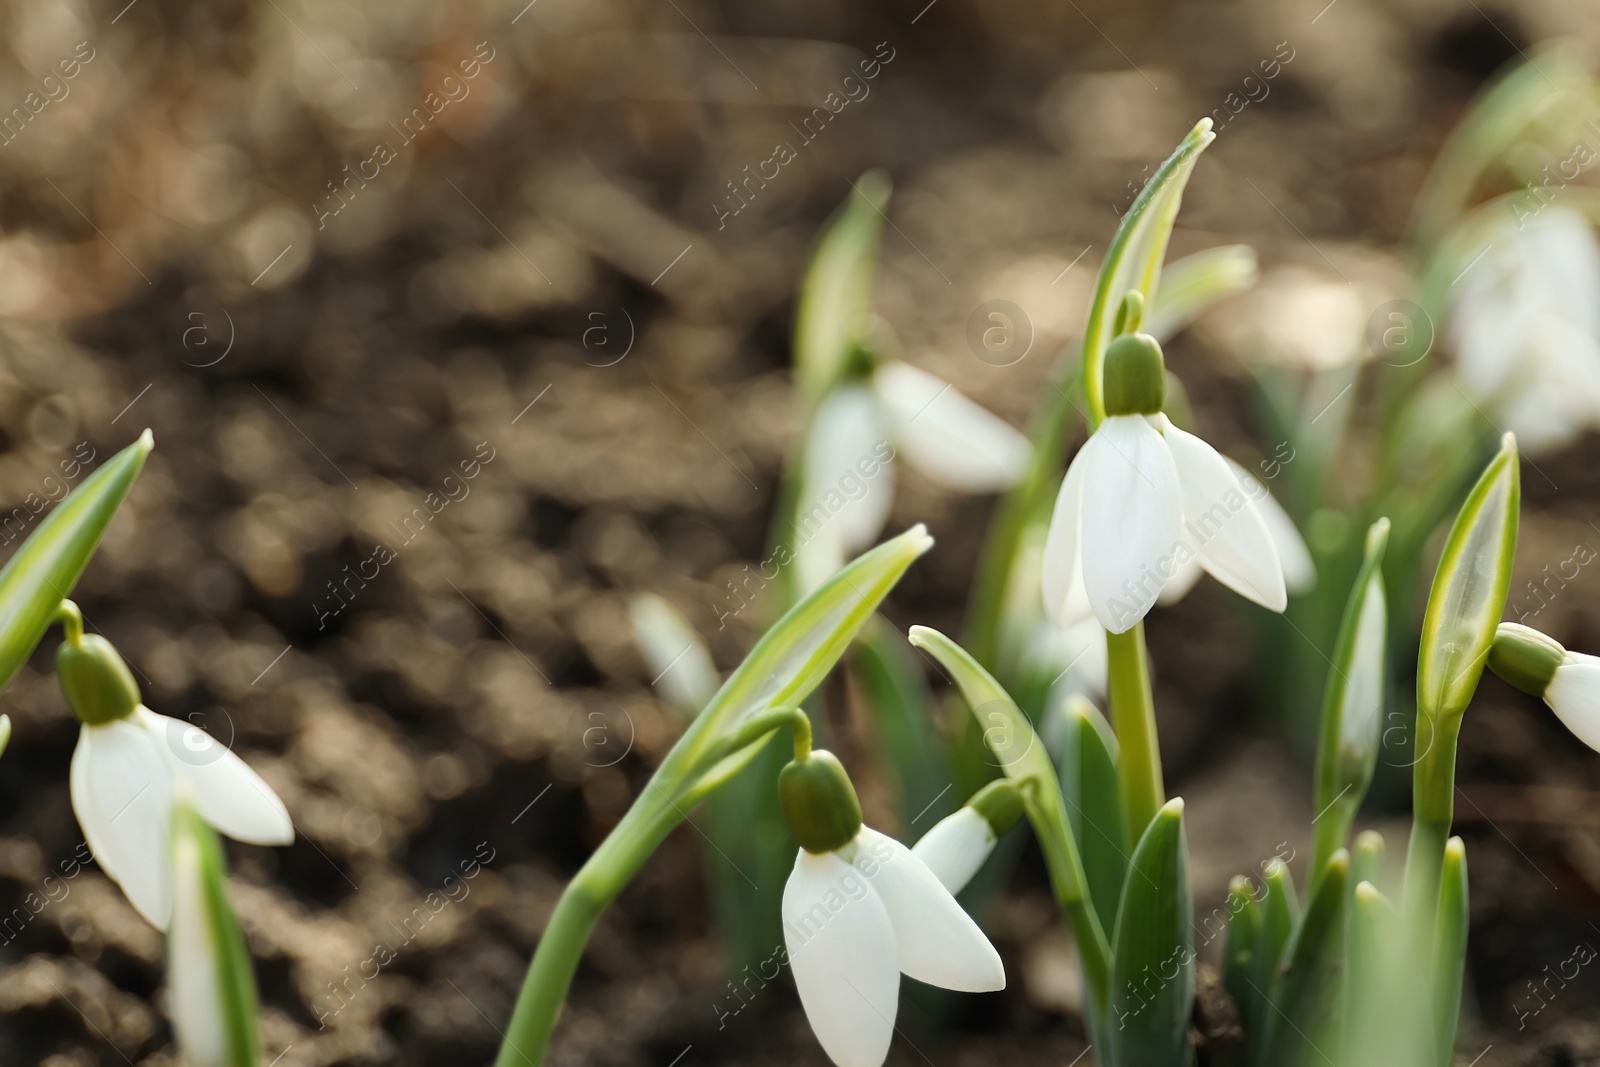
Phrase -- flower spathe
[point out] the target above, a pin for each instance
(125, 774)
(854, 920)
(1140, 500)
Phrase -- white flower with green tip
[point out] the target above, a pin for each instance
(859, 910)
(958, 844)
(130, 764)
(1569, 682)
(1142, 498)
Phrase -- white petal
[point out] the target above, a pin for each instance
(1561, 247)
(1574, 695)
(841, 948)
(1299, 572)
(939, 943)
(956, 847)
(818, 558)
(1061, 575)
(946, 436)
(221, 786)
(848, 474)
(1222, 523)
(192, 980)
(122, 796)
(1131, 519)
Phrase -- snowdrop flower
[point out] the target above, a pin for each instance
(1527, 328)
(858, 432)
(1567, 681)
(129, 765)
(1142, 498)
(210, 985)
(959, 844)
(858, 910)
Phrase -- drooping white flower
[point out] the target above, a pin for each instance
(859, 910)
(1141, 499)
(1574, 695)
(130, 765)
(212, 992)
(859, 431)
(1526, 328)
(124, 775)
(854, 920)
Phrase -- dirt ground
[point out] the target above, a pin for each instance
(544, 277)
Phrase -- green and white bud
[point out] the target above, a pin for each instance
(819, 802)
(1567, 681)
(211, 988)
(95, 679)
(959, 844)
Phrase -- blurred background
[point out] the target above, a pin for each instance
(491, 286)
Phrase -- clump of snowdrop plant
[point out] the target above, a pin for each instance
(1367, 969)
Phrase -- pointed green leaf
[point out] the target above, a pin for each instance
(1133, 259)
(1469, 590)
(1352, 705)
(1022, 758)
(1194, 283)
(1089, 785)
(44, 570)
(1387, 1018)
(1366, 860)
(1152, 955)
(836, 291)
(1301, 1028)
(210, 984)
(1450, 949)
(1238, 958)
(1280, 911)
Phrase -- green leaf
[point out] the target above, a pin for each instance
(837, 289)
(1469, 590)
(674, 654)
(5, 733)
(210, 983)
(1133, 260)
(1152, 955)
(1239, 956)
(1387, 1019)
(1280, 911)
(1089, 785)
(1022, 758)
(1194, 283)
(1352, 705)
(903, 716)
(1366, 860)
(44, 570)
(1302, 1025)
(1555, 79)
(1450, 949)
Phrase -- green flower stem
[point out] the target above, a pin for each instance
(555, 961)
(1133, 717)
(71, 620)
(1432, 811)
